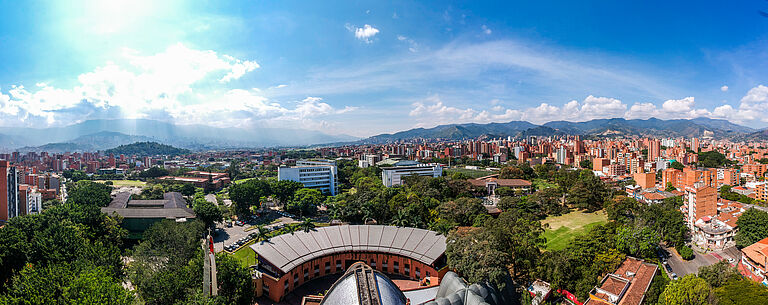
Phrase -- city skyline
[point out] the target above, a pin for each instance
(366, 68)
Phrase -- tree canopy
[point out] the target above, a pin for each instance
(753, 227)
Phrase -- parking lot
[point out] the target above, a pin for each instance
(229, 237)
(681, 267)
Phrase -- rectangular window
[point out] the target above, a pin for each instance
(373, 264)
(306, 274)
(317, 270)
(327, 266)
(397, 266)
(407, 268)
(338, 264)
(266, 289)
(418, 274)
(384, 266)
(285, 286)
(295, 278)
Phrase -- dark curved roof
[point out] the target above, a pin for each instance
(364, 286)
(290, 250)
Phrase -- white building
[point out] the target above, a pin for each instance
(34, 202)
(315, 174)
(391, 176)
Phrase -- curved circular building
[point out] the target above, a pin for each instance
(287, 261)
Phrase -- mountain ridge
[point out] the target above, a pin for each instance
(197, 137)
(700, 127)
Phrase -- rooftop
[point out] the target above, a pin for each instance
(172, 206)
(290, 250)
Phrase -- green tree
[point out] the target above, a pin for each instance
(307, 225)
(670, 187)
(207, 212)
(637, 241)
(741, 292)
(753, 227)
(153, 172)
(247, 194)
(588, 192)
(685, 252)
(89, 193)
(718, 274)
(677, 165)
(690, 290)
(462, 211)
(234, 280)
(586, 164)
(285, 189)
(305, 202)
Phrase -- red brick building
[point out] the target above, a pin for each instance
(290, 260)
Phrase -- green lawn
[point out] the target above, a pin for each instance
(125, 183)
(242, 180)
(245, 255)
(563, 229)
(474, 173)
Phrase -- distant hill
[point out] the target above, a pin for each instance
(456, 132)
(146, 149)
(701, 127)
(187, 136)
(761, 135)
(92, 142)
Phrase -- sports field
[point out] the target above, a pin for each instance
(474, 173)
(125, 183)
(563, 229)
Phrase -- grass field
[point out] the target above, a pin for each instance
(125, 183)
(242, 180)
(474, 173)
(563, 229)
(245, 255)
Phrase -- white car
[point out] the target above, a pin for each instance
(731, 260)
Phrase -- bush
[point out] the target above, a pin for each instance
(685, 252)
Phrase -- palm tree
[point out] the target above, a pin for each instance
(401, 219)
(307, 225)
(262, 234)
(290, 229)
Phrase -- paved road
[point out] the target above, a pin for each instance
(227, 236)
(682, 267)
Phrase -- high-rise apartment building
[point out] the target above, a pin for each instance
(4, 190)
(701, 201)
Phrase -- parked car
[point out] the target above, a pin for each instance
(229, 224)
(674, 276)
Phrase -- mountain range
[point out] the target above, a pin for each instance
(95, 135)
(102, 134)
(699, 127)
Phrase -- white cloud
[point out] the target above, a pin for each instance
(724, 88)
(486, 30)
(179, 84)
(412, 45)
(433, 111)
(678, 106)
(364, 33)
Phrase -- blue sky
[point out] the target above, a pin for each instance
(367, 67)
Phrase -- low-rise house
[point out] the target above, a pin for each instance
(754, 262)
(626, 286)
